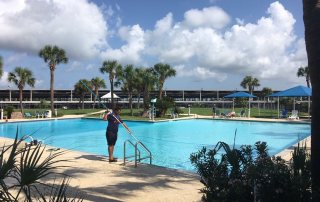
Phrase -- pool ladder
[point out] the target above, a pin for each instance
(137, 153)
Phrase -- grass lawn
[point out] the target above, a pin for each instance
(125, 113)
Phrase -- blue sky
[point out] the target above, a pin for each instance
(212, 44)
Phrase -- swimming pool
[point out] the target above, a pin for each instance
(171, 143)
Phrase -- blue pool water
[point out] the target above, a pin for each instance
(171, 143)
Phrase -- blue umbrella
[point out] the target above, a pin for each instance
(241, 95)
(298, 91)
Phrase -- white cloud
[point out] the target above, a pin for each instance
(265, 49)
(75, 65)
(214, 17)
(39, 84)
(77, 26)
(199, 73)
(130, 52)
(4, 84)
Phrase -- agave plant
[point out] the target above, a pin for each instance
(22, 172)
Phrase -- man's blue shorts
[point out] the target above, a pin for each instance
(111, 137)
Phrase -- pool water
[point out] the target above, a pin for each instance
(171, 143)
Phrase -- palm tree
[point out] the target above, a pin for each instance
(1, 67)
(311, 18)
(128, 80)
(264, 93)
(114, 69)
(53, 55)
(20, 77)
(97, 83)
(162, 72)
(304, 72)
(149, 81)
(249, 83)
(81, 89)
(138, 83)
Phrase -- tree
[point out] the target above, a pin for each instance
(138, 83)
(81, 89)
(20, 77)
(149, 82)
(250, 83)
(162, 72)
(114, 69)
(1, 67)
(53, 55)
(304, 72)
(311, 18)
(128, 80)
(264, 93)
(97, 83)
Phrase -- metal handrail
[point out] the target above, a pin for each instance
(124, 151)
(146, 149)
(137, 153)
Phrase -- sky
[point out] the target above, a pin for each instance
(212, 44)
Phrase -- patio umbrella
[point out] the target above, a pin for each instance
(298, 91)
(240, 95)
(108, 96)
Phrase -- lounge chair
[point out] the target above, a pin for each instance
(27, 115)
(230, 114)
(174, 115)
(217, 113)
(242, 113)
(284, 114)
(294, 115)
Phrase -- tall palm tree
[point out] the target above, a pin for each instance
(82, 90)
(114, 69)
(311, 18)
(250, 83)
(53, 55)
(149, 82)
(96, 84)
(138, 83)
(163, 71)
(1, 67)
(304, 72)
(20, 77)
(128, 80)
(264, 93)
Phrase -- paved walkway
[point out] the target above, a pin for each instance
(101, 181)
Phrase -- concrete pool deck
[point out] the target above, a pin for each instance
(100, 180)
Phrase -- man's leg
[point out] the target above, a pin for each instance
(110, 150)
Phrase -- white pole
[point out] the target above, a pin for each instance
(278, 109)
(233, 104)
(309, 107)
(249, 109)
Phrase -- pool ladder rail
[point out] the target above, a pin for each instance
(137, 153)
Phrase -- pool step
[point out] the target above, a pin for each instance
(137, 154)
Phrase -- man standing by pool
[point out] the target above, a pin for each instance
(112, 130)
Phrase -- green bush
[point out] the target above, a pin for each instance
(9, 110)
(43, 104)
(163, 105)
(23, 170)
(247, 174)
(240, 102)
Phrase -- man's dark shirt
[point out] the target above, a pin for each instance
(113, 124)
